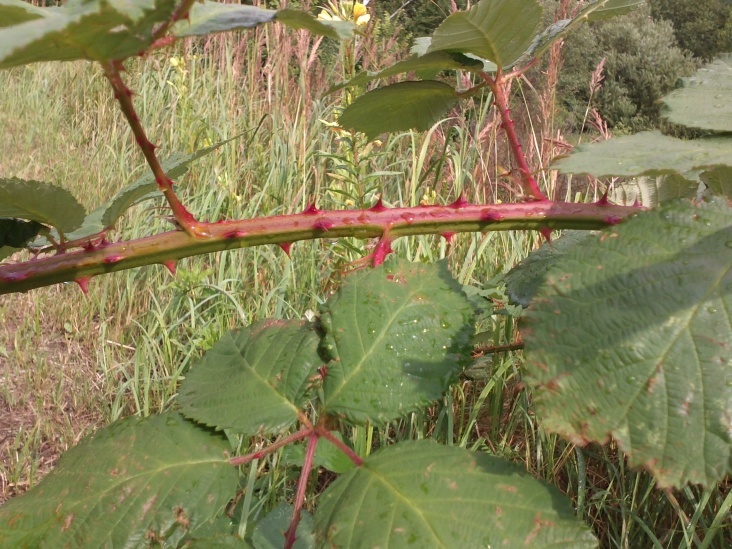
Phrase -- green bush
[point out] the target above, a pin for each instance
(704, 27)
(642, 63)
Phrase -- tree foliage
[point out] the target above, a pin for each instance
(703, 27)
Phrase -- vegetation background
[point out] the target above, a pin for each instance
(70, 363)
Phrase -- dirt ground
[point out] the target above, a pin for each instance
(49, 390)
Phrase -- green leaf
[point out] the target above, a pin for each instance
(524, 280)
(398, 335)
(41, 202)
(403, 106)
(421, 494)
(437, 61)
(85, 29)
(652, 191)
(211, 17)
(646, 153)
(630, 338)
(719, 180)
(703, 101)
(297, 19)
(16, 232)
(158, 477)
(269, 533)
(497, 30)
(255, 379)
(14, 12)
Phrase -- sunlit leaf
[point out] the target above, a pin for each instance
(41, 202)
(254, 379)
(137, 480)
(629, 339)
(85, 29)
(297, 19)
(398, 335)
(497, 30)
(14, 12)
(421, 494)
(703, 100)
(211, 17)
(646, 153)
(403, 106)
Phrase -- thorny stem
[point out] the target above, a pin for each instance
(123, 95)
(342, 446)
(301, 488)
(294, 437)
(497, 86)
(166, 248)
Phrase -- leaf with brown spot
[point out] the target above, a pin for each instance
(142, 469)
(421, 494)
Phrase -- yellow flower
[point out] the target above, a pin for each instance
(360, 15)
(345, 11)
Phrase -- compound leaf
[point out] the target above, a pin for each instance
(397, 336)
(41, 202)
(159, 477)
(211, 17)
(402, 106)
(85, 29)
(497, 30)
(630, 338)
(646, 153)
(703, 99)
(421, 494)
(255, 379)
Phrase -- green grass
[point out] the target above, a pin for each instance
(70, 363)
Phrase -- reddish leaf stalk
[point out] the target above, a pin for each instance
(228, 235)
(301, 488)
(123, 95)
(294, 437)
(528, 183)
(342, 446)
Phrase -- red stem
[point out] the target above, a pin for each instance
(326, 434)
(123, 95)
(302, 485)
(528, 183)
(302, 433)
(227, 235)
